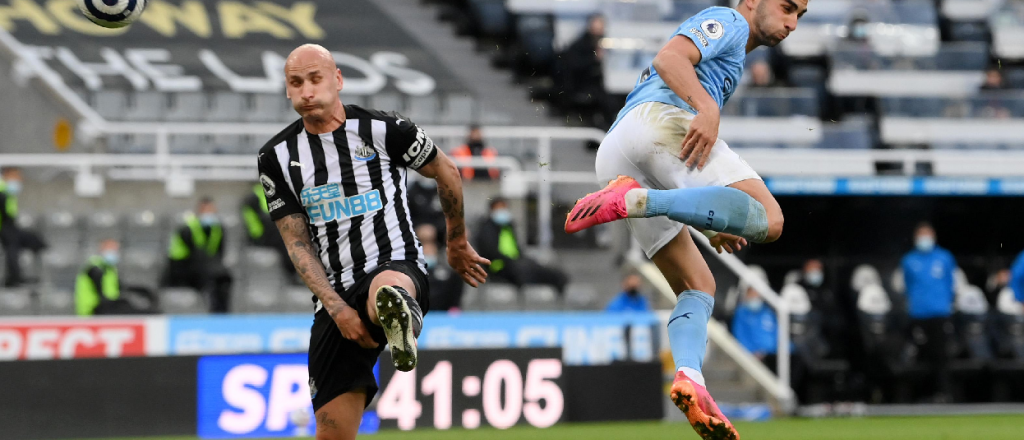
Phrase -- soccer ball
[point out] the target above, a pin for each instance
(112, 13)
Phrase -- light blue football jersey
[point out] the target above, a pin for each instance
(721, 36)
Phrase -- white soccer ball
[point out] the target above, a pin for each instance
(112, 13)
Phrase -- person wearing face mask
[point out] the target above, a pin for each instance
(824, 301)
(497, 241)
(13, 238)
(930, 287)
(630, 299)
(755, 327)
(196, 255)
(445, 285)
(98, 288)
(474, 147)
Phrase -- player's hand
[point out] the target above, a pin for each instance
(352, 327)
(464, 259)
(731, 243)
(700, 138)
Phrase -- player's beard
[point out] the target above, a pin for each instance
(762, 24)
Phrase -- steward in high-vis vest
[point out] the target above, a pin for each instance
(261, 229)
(13, 238)
(196, 255)
(98, 283)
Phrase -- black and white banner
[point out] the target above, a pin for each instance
(196, 45)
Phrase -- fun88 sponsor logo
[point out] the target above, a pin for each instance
(327, 202)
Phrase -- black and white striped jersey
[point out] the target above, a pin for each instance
(351, 186)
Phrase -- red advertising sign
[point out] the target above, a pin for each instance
(70, 339)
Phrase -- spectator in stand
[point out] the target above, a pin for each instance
(424, 205)
(445, 286)
(824, 301)
(196, 255)
(761, 74)
(997, 282)
(497, 241)
(993, 79)
(928, 275)
(474, 147)
(12, 237)
(756, 328)
(98, 289)
(580, 79)
(630, 299)
(1016, 281)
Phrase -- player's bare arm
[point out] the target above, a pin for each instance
(295, 232)
(461, 256)
(675, 63)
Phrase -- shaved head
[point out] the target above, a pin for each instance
(308, 54)
(312, 83)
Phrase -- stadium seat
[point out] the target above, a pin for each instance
(15, 301)
(56, 301)
(423, 109)
(61, 229)
(267, 107)
(458, 109)
(99, 226)
(189, 144)
(261, 288)
(186, 107)
(146, 106)
(111, 104)
(182, 301)
(296, 299)
(971, 345)
(500, 297)
(144, 230)
(540, 297)
(470, 299)
(387, 102)
(581, 296)
(226, 107)
(141, 267)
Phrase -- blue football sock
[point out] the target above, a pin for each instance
(718, 208)
(688, 329)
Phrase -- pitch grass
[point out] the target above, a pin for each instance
(887, 428)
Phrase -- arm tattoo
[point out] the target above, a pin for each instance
(295, 232)
(449, 190)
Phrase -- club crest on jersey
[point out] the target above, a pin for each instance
(713, 29)
(327, 202)
(268, 185)
(365, 152)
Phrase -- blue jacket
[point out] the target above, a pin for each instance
(757, 330)
(1017, 277)
(624, 302)
(929, 280)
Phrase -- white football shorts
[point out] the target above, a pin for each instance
(645, 145)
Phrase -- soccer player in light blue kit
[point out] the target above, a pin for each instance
(667, 169)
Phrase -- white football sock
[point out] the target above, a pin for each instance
(636, 203)
(694, 375)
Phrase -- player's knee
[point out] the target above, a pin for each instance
(703, 282)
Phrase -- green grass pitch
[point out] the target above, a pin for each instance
(883, 428)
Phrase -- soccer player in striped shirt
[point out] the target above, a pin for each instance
(335, 187)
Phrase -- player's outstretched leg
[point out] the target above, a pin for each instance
(401, 318)
(686, 272)
(606, 205)
(717, 208)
